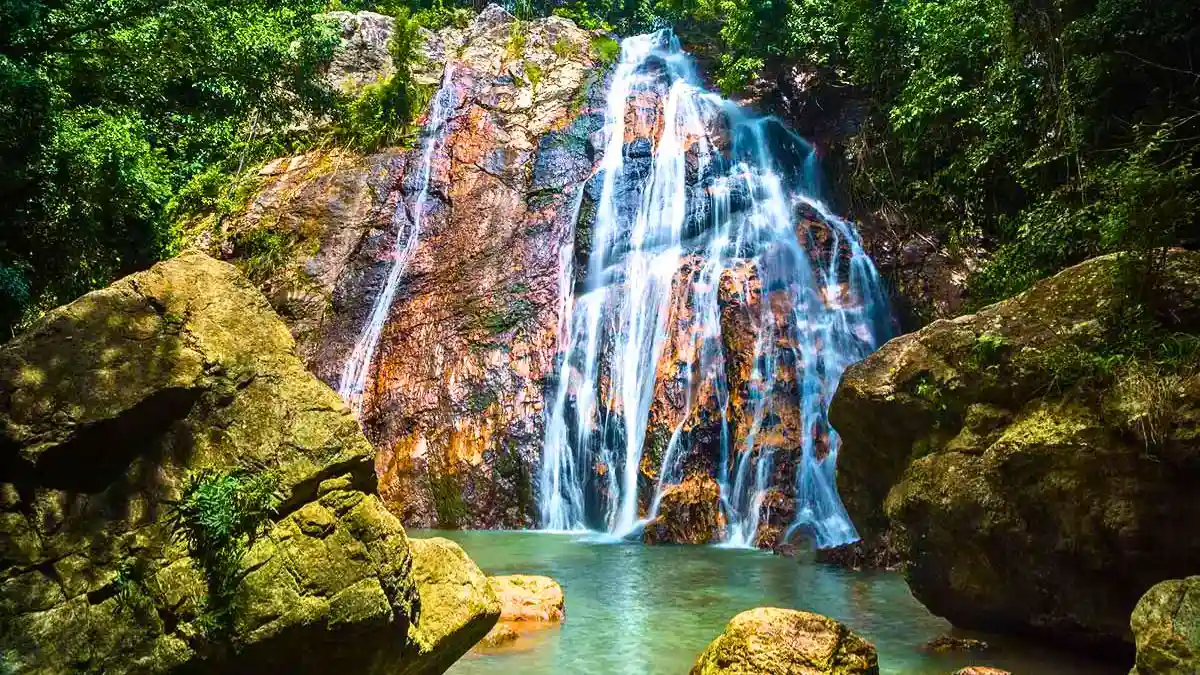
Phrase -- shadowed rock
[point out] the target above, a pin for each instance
(1020, 501)
(107, 407)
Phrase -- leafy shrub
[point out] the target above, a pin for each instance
(263, 251)
(382, 114)
(514, 47)
(564, 49)
(218, 516)
(987, 350)
(605, 49)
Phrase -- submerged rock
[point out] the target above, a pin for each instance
(689, 513)
(775, 641)
(1021, 502)
(950, 643)
(1166, 629)
(528, 598)
(107, 408)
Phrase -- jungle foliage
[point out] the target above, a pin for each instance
(118, 115)
(1048, 130)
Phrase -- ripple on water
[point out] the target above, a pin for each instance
(639, 610)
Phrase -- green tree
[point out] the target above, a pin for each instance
(107, 107)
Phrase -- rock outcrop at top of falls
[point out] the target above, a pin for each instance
(109, 407)
(441, 289)
(1023, 498)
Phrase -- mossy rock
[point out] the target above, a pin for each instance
(772, 641)
(458, 606)
(107, 408)
(1022, 503)
(1166, 629)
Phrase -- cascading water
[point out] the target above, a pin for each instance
(358, 363)
(715, 189)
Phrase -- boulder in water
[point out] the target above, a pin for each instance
(525, 597)
(1020, 501)
(950, 643)
(1166, 629)
(771, 641)
(981, 670)
(109, 407)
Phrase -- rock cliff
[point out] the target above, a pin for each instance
(455, 391)
(1034, 478)
(109, 407)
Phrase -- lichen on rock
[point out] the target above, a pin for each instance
(772, 641)
(1166, 629)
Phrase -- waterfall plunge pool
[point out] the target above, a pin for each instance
(650, 610)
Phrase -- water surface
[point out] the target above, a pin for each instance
(638, 610)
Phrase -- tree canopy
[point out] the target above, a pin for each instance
(1051, 130)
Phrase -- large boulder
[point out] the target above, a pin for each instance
(771, 641)
(1166, 629)
(109, 407)
(1023, 498)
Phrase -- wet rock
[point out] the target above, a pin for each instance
(981, 670)
(689, 513)
(528, 598)
(107, 407)
(500, 635)
(774, 641)
(1166, 629)
(949, 643)
(1018, 503)
(878, 553)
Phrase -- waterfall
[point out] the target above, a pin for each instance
(353, 383)
(714, 192)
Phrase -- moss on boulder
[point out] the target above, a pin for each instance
(458, 607)
(1023, 498)
(107, 408)
(772, 641)
(1166, 629)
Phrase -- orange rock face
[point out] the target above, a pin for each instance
(528, 598)
(454, 398)
(689, 513)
